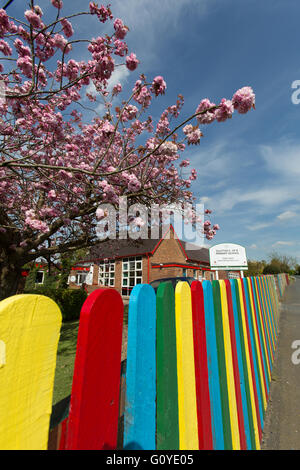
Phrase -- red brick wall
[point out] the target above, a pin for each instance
(95, 275)
(118, 275)
(169, 251)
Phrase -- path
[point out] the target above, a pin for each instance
(282, 423)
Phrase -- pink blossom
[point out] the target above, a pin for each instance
(187, 129)
(184, 163)
(224, 110)
(121, 48)
(168, 148)
(57, 4)
(34, 19)
(52, 194)
(207, 117)
(25, 65)
(133, 183)
(163, 126)
(60, 42)
(107, 127)
(193, 174)
(216, 227)
(21, 49)
(35, 223)
(5, 48)
(117, 89)
(141, 94)
(38, 10)
(4, 22)
(129, 113)
(13, 28)
(132, 62)
(102, 13)
(67, 27)
(193, 134)
(158, 86)
(243, 100)
(120, 29)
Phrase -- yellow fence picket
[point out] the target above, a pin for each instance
(29, 332)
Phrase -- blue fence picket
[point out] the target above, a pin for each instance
(139, 414)
(213, 367)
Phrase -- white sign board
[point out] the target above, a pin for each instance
(227, 256)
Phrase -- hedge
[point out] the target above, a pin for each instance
(70, 301)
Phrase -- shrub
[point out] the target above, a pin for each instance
(69, 301)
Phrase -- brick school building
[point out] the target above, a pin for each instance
(124, 263)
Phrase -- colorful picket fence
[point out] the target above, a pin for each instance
(282, 282)
(199, 363)
(211, 372)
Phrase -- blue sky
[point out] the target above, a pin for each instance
(248, 167)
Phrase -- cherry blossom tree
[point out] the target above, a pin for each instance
(55, 166)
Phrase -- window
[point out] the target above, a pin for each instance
(80, 278)
(39, 279)
(132, 273)
(107, 273)
(184, 272)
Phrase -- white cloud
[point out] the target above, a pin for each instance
(267, 198)
(283, 158)
(258, 226)
(283, 243)
(153, 23)
(204, 199)
(286, 215)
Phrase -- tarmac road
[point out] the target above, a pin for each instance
(282, 419)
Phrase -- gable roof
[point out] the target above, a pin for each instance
(196, 253)
(119, 248)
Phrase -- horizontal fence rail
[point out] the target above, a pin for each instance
(197, 376)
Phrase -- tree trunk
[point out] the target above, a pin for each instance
(10, 275)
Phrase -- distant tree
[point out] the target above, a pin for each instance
(279, 264)
(272, 269)
(67, 261)
(297, 270)
(255, 268)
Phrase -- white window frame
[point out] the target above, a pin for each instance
(106, 275)
(40, 283)
(132, 273)
(80, 281)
